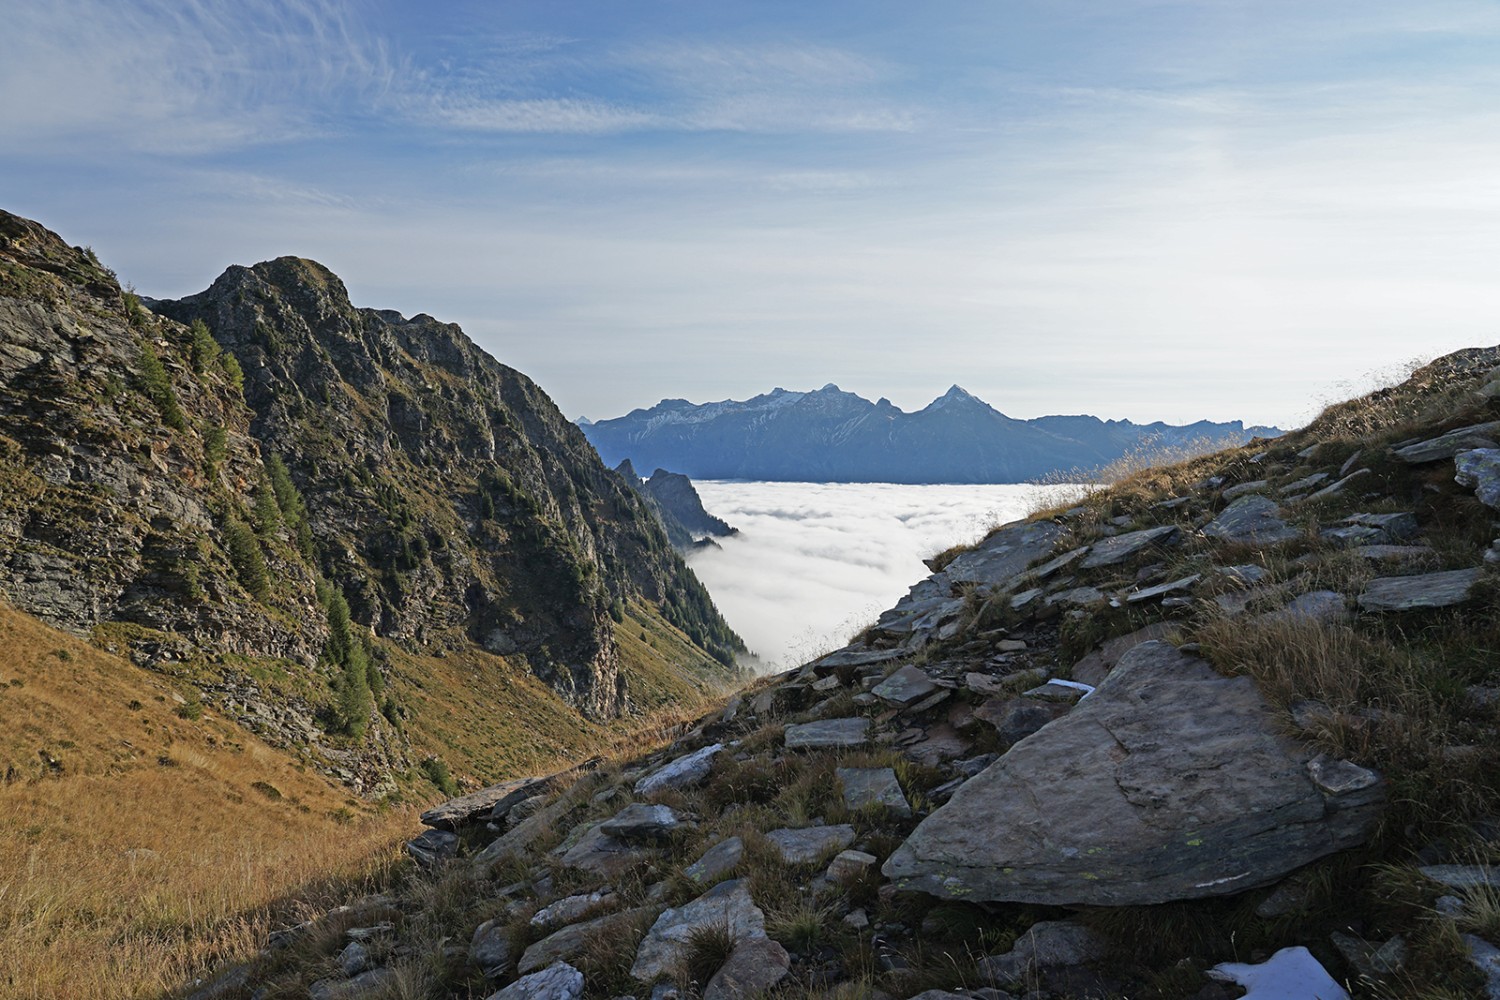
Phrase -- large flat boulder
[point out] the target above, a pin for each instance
(482, 804)
(1169, 782)
(1426, 590)
(1450, 444)
(1005, 554)
(1113, 551)
(1480, 469)
(829, 734)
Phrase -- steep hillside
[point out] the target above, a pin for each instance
(277, 498)
(148, 834)
(1227, 722)
(835, 436)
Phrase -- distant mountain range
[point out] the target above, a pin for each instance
(834, 436)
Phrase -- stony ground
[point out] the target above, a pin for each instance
(1226, 725)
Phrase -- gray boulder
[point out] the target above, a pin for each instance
(1169, 782)
(1112, 551)
(1486, 958)
(597, 852)
(755, 965)
(366, 984)
(490, 949)
(808, 844)
(683, 772)
(873, 787)
(1049, 944)
(1427, 590)
(727, 906)
(906, 686)
(719, 859)
(1480, 470)
(570, 942)
(488, 803)
(559, 981)
(1252, 520)
(639, 821)
(432, 848)
(1006, 553)
(826, 733)
(1450, 444)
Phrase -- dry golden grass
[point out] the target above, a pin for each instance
(155, 846)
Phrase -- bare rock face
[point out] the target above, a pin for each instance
(1005, 553)
(1169, 782)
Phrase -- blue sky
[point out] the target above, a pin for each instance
(1137, 209)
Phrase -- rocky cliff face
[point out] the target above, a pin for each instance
(454, 502)
(206, 483)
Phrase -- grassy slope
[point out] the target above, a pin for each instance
(159, 844)
(156, 843)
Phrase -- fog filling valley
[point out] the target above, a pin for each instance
(813, 563)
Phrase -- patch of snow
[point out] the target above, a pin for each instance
(1290, 974)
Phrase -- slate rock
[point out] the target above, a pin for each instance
(490, 803)
(641, 822)
(1486, 958)
(1094, 667)
(490, 950)
(1316, 605)
(1371, 961)
(1463, 876)
(850, 865)
(905, 686)
(1476, 436)
(1340, 486)
(1017, 718)
(363, 985)
(727, 906)
(873, 787)
(826, 733)
(754, 966)
(719, 859)
(571, 941)
(1163, 589)
(1046, 945)
(1243, 489)
(559, 981)
(568, 910)
(1252, 520)
(852, 656)
(805, 845)
(1169, 782)
(1112, 551)
(1427, 590)
(1479, 470)
(597, 852)
(431, 848)
(1005, 553)
(354, 959)
(684, 772)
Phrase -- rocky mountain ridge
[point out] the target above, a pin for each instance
(676, 501)
(834, 436)
(1239, 708)
(266, 492)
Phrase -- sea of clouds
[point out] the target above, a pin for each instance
(813, 563)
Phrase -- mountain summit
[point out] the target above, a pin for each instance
(834, 436)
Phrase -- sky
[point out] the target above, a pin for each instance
(814, 563)
(1147, 209)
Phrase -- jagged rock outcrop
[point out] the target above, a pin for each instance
(451, 500)
(675, 501)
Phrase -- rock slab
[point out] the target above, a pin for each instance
(1253, 520)
(808, 844)
(1169, 782)
(727, 906)
(873, 787)
(556, 982)
(826, 733)
(1006, 553)
(1412, 593)
(681, 773)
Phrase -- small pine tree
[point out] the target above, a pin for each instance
(204, 349)
(233, 371)
(267, 513)
(355, 701)
(157, 385)
(215, 449)
(245, 555)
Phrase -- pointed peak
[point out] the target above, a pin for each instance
(956, 391)
(830, 387)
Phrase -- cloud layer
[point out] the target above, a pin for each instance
(814, 563)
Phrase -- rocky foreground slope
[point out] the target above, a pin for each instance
(274, 495)
(1229, 724)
